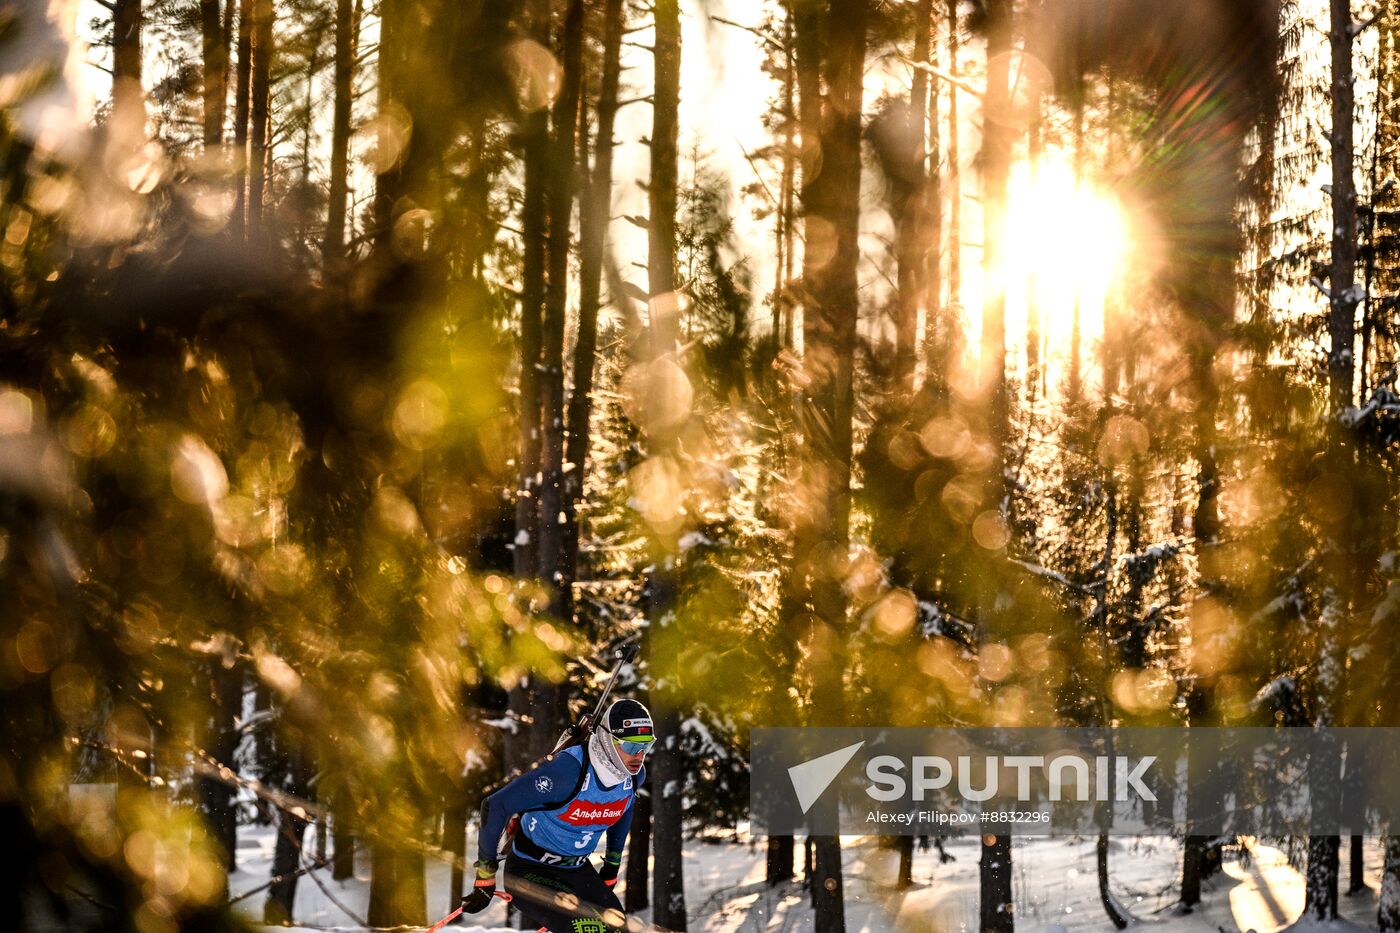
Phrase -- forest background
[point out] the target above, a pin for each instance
(372, 368)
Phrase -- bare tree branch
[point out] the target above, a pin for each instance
(945, 76)
(767, 39)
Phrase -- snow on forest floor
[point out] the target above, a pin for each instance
(1055, 886)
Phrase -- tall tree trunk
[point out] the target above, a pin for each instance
(1074, 389)
(912, 217)
(534, 216)
(661, 842)
(804, 29)
(1324, 852)
(224, 687)
(1193, 853)
(397, 894)
(997, 138)
(128, 95)
(778, 862)
(230, 17)
(994, 869)
(782, 298)
(595, 211)
(388, 178)
(1344, 297)
(242, 97)
(1321, 900)
(897, 137)
(1383, 267)
(661, 254)
(668, 880)
(1388, 914)
(1205, 281)
(904, 874)
(1102, 618)
(1112, 338)
(1036, 146)
(832, 202)
(639, 855)
(954, 184)
(1200, 712)
(343, 853)
(286, 858)
(301, 240)
(215, 47)
(554, 571)
(940, 323)
(346, 25)
(454, 842)
(996, 893)
(668, 785)
(417, 61)
(261, 110)
(1356, 874)
(1110, 905)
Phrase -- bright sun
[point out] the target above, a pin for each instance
(1065, 242)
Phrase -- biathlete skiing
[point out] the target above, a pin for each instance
(564, 805)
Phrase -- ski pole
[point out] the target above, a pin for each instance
(503, 895)
(625, 655)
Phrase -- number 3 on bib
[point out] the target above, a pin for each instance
(585, 841)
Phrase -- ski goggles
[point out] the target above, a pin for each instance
(630, 747)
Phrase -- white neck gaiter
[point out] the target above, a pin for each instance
(606, 761)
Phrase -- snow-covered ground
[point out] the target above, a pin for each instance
(1056, 889)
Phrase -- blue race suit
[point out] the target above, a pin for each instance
(563, 809)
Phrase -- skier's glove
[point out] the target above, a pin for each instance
(480, 897)
(612, 861)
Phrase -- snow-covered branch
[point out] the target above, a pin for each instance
(1056, 576)
(1358, 28)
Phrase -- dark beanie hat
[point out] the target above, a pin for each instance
(629, 720)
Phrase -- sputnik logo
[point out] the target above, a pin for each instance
(811, 778)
